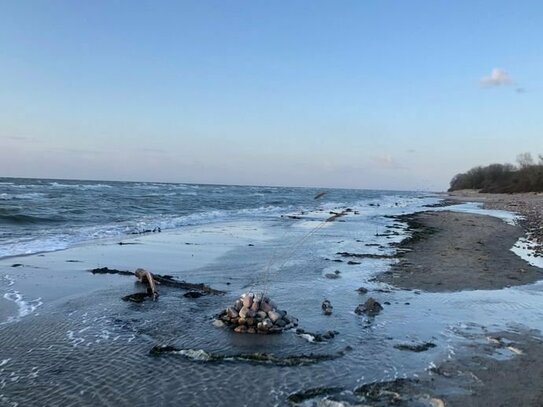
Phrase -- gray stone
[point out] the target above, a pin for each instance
(218, 323)
(261, 315)
(274, 316)
(280, 323)
(231, 312)
(265, 306)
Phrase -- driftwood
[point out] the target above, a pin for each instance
(147, 278)
(154, 280)
(169, 281)
(336, 215)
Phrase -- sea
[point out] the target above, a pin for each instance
(68, 338)
(42, 215)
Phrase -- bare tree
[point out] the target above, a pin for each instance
(525, 160)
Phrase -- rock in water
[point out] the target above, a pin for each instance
(256, 314)
(327, 307)
(371, 308)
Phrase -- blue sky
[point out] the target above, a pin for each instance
(366, 94)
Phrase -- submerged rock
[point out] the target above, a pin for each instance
(327, 307)
(371, 307)
(415, 347)
(193, 294)
(362, 290)
(316, 336)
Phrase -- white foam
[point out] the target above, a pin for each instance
(25, 308)
(523, 249)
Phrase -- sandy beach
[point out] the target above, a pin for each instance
(454, 251)
(459, 323)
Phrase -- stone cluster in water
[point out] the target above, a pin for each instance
(256, 314)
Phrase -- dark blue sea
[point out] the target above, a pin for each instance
(41, 215)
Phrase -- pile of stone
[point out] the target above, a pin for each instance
(256, 313)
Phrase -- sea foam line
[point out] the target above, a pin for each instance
(25, 308)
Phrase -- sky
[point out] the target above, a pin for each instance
(354, 94)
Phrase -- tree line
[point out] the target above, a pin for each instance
(526, 176)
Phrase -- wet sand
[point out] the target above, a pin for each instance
(452, 251)
(528, 205)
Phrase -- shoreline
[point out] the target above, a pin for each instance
(475, 252)
(454, 251)
(528, 205)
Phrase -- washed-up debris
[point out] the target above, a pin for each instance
(389, 393)
(156, 229)
(256, 313)
(301, 396)
(516, 351)
(200, 355)
(147, 279)
(371, 307)
(335, 215)
(502, 343)
(316, 336)
(327, 307)
(136, 297)
(415, 347)
(154, 280)
(193, 294)
(366, 255)
(107, 270)
(333, 276)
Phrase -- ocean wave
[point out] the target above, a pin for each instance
(30, 195)
(69, 237)
(19, 219)
(80, 186)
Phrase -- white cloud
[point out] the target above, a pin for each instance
(497, 77)
(386, 161)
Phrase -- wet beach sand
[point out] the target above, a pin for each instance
(451, 251)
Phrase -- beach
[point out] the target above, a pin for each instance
(458, 296)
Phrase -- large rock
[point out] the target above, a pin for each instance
(371, 308)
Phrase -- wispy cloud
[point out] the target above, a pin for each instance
(497, 77)
(386, 161)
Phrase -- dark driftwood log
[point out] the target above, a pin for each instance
(166, 280)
